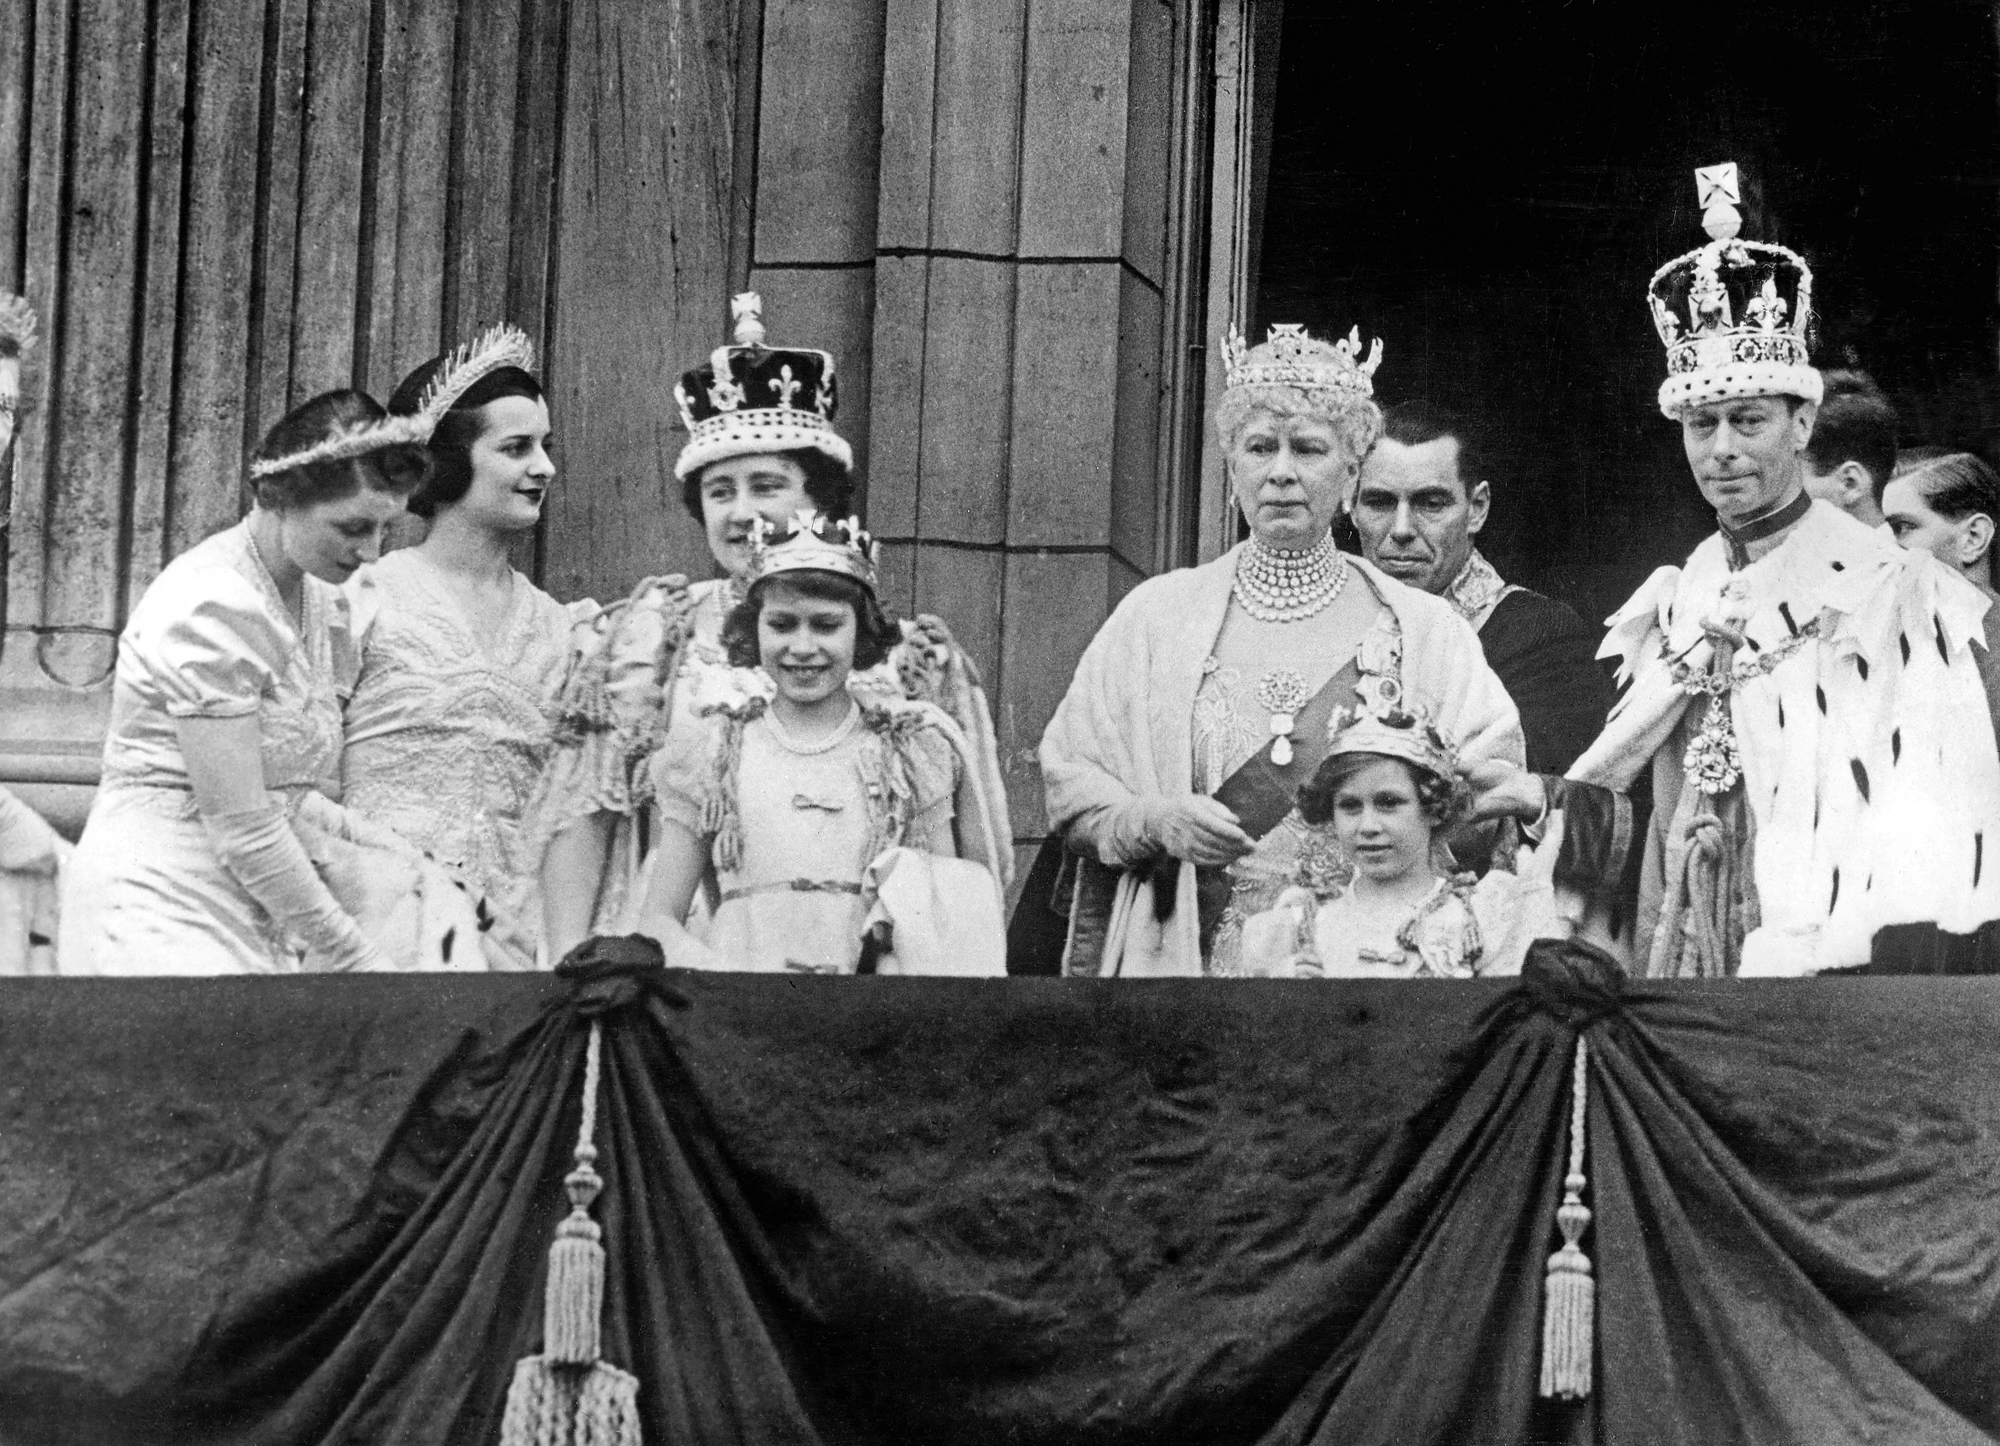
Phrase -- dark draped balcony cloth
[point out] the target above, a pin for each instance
(982, 1212)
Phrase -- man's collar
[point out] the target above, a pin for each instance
(1737, 537)
(1476, 590)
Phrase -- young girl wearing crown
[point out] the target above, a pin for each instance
(761, 447)
(1388, 785)
(809, 816)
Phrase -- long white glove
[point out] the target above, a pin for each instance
(1195, 828)
(258, 847)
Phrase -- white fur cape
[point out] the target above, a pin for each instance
(1868, 753)
(1124, 731)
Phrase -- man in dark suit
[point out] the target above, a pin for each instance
(1422, 499)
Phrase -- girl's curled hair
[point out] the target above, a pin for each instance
(1439, 799)
(398, 470)
(875, 632)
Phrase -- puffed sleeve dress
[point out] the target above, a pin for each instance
(146, 892)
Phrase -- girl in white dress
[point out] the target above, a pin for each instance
(223, 753)
(450, 718)
(762, 447)
(1388, 784)
(787, 811)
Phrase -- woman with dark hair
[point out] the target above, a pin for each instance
(806, 816)
(450, 718)
(762, 449)
(190, 862)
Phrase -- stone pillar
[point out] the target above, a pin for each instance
(1021, 255)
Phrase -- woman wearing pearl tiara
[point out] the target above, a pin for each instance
(1203, 702)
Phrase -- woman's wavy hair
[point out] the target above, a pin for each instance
(1357, 421)
(1441, 800)
(398, 470)
(875, 632)
(457, 429)
(828, 483)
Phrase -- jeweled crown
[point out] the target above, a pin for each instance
(1735, 316)
(1290, 358)
(813, 543)
(749, 398)
(1397, 730)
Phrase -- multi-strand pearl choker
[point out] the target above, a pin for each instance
(1287, 587)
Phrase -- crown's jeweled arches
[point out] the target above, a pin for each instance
(1735, 316)
(1291, 358)
(808, 544)
(1394, 729)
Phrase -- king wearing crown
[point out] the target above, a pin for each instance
(1800, 692)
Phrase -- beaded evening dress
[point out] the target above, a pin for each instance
(448, 729)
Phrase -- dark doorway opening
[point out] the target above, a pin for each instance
(1490, 189)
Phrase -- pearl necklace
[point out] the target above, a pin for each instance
(824, 745)
(1288, 587)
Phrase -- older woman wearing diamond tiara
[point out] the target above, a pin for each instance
(1203, 703)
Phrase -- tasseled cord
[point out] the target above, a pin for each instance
(1569, 1305)
(568, 1395)
(720, 816)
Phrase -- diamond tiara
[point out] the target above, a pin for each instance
(357, 439)
(494, 348)
(1293, 359)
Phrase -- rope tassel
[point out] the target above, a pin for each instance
(1569, 1304)
(568, 1395)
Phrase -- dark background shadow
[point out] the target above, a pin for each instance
(1491, 191)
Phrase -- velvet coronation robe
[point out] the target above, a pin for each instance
(1124, 730)
(1870, 778)
(1543, 654)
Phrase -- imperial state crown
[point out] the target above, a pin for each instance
(750, 398)
(1734, 315)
